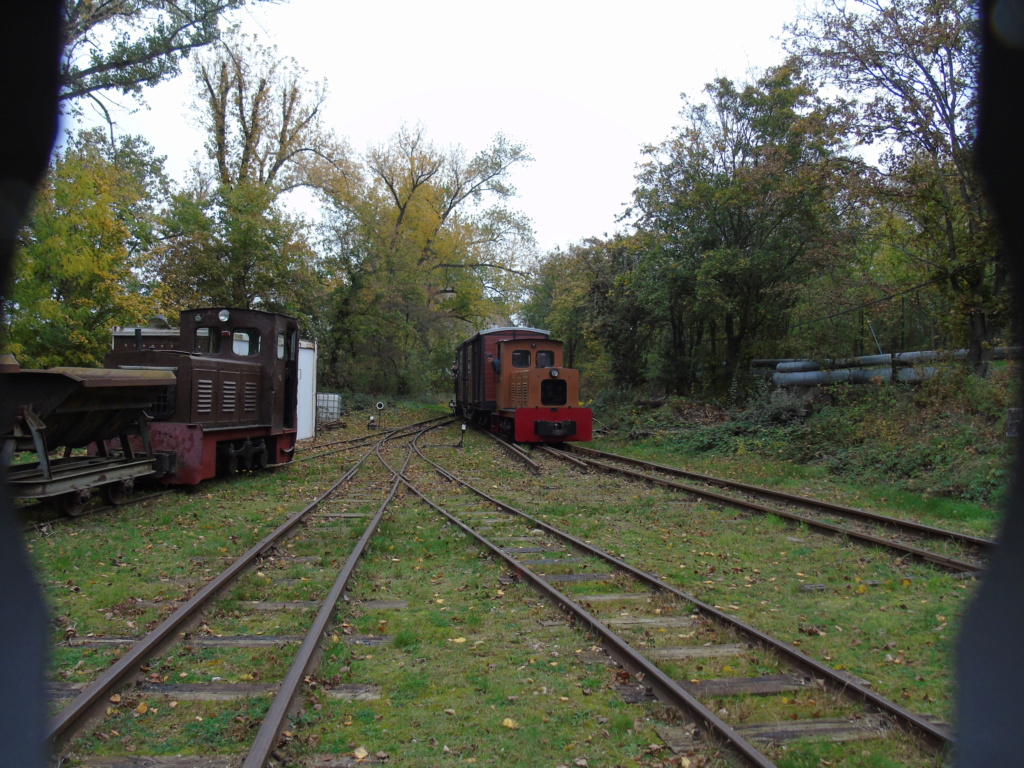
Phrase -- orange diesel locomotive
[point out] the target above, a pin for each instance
(511, 381)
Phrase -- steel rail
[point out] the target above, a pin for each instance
(307, 657)
(667, 689)
(62, 726)
(357, 442)
(513, 450)
(950, 563)
(909, 526)
(563, 455)
(840, 682)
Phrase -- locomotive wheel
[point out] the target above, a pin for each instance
(72, 504)
(117, 493)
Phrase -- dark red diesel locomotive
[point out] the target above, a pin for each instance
(217, 396)
(233, 405)
(511, 381)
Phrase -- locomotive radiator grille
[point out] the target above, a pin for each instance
(204, 396)
(251, 391)
(520, 391)
(229, 397)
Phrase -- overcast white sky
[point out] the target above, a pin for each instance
(582, 85)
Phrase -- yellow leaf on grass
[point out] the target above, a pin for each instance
(143, 708)
(457, 639)
(508, 722)
(360, 753)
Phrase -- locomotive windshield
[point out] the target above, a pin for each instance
(207, 341)
(521, 358)
(246, 342)
(545, 358)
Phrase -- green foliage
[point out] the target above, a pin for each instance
(735, 213)
(79, 264)
(235, 247)
(942, 438)
(227, 237)
(589, 299)
(917, 102)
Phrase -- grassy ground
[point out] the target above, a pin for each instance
(937, 452)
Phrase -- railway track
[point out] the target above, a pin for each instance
(639, 618)
(178, 626)
(905, 537)
(185, 625)
(362, 661)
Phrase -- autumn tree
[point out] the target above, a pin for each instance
(228, 239)
(264, 119)
(78, 268)
(232, 246)
(424, 249)
(912, 67)
(125, 45)
(737, 210)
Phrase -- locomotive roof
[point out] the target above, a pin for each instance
(235, 310)
(509, 329)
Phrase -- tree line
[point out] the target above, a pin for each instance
(828, 204)
(403, 247)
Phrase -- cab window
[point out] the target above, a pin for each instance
(280, 345)
(245, 342)
(545, 358)
(521, 358)
(206, 341)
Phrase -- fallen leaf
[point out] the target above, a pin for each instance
(508, 722)
(457, 639)
(360, 753)
(115, 699)
(143, 708)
